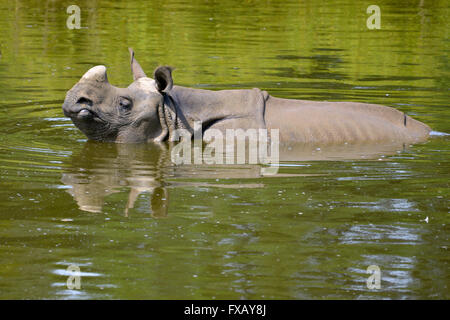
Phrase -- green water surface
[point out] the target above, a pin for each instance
(139, 227)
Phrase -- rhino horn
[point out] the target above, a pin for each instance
(97, 73)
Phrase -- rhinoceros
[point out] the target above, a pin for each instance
(152, 109)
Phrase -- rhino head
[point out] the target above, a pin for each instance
(104, 112)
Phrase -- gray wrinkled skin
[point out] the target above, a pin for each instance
(107, 113)
(152, 109)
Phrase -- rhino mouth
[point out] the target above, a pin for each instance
(92, 125)
(83, 114)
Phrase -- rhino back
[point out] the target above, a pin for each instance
(340, 122)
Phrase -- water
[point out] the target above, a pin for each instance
(139, 227)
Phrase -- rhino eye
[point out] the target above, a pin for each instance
(124, 103)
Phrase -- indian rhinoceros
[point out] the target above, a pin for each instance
(152, 109)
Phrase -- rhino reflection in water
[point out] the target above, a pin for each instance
(153, 109)
(100, 170)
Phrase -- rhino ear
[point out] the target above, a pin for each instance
(136, 69)
(163, 78)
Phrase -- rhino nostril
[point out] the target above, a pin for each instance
(84, 100)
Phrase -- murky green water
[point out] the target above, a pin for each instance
(139, 227)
